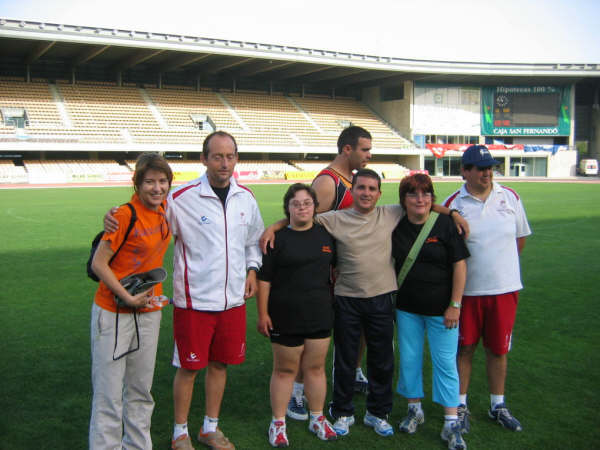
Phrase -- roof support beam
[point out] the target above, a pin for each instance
(137, 58)
(363, 77)
(300, 70)
(182, 61)
(331, 73)
(221, 65)
(39, 51)
(89, 54)
(262, 66)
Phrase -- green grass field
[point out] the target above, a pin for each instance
(553, 383)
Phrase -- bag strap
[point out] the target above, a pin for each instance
(416, 247)
(129, 228)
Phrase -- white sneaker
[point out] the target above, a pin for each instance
(453, 436)
(322, 428)
(342, 425)
(381, 426)
(277, 435)
(410, 423)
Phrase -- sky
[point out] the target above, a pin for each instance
(518, 31)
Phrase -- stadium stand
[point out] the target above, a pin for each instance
(101, 113)
(10, 173)
(36, 99)
(98, 113)
(311, 166)
(332, 115)
(389, 170)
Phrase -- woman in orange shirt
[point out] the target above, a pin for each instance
(124, 334)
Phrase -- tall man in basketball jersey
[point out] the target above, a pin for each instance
(333, 184)
(333, 188)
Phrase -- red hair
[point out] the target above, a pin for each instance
(414, 183)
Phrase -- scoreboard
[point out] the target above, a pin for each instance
(525, 111)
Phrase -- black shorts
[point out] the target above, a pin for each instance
(296, 340)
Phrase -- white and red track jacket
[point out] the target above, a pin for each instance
(215, 245)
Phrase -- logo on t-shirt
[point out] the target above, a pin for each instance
(326, 249)
(504, 209)
(432, 240)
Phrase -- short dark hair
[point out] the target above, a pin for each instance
(150, 161)
(350, 136)
(291, 193)
(366, 173)
(206, 142)
(414, 183)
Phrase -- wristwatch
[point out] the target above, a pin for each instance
(252, 268)
(454, 211)
(456, 304)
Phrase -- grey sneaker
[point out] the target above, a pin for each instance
(502, 415)
(410, 423)
(453, 436)
(463, 418)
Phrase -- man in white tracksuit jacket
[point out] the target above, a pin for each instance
(216, 224)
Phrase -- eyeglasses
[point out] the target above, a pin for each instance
(305, 204)
(424, 195)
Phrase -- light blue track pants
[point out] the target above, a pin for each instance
(443, 344)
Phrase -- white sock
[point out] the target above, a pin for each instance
(462, 399)
(275, 419)
(360, 376)
(210, 424)
(179, 430)
(496, 400)
(416, 406)
(298, 390)
(314, 415)
(449, 420)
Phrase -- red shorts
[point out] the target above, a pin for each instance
(490, 316)
(202, 336)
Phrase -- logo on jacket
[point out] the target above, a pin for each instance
(326, 249)
(205, 220)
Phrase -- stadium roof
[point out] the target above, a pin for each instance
(33, 42)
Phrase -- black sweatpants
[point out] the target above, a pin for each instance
(376, 317)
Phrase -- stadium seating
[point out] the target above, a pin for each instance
(389, 170)
(9, 173)
(100, 113)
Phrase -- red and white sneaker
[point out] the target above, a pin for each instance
(322, 428)
(277, 435)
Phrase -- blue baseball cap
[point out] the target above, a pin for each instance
(478, 155)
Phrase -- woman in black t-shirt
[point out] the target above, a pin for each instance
(429, 299)
(295, 310)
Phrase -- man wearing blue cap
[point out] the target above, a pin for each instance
(498, 230)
